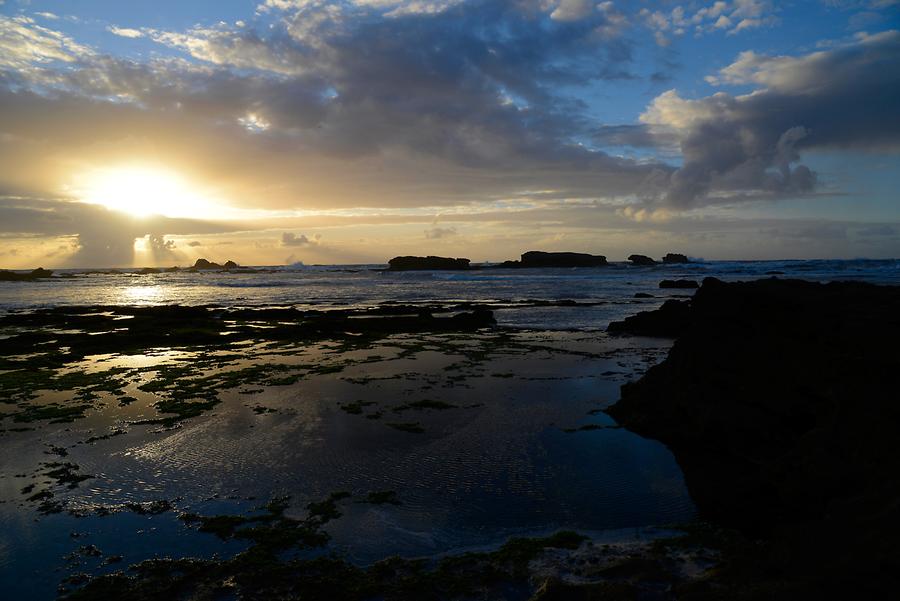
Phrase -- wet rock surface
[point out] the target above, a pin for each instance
(778, 400)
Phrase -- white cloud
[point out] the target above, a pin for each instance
(732, 17)
(25, 44)
(572, 10)
(125, 32)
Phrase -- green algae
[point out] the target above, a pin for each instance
(260, 572)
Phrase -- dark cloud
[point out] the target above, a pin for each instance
(291, 239)
(635, 135)
(750, 145)
(436, 233)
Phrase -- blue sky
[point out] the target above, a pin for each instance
(367, 128)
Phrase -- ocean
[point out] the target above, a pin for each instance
(342, 286)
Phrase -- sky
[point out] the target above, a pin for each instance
(273, 132)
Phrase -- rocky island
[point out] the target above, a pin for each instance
(410, 263)
(204, 264)
(536, 258)
(675, 258)
(641, 260)
(14, 276)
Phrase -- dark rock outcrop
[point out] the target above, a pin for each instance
(641, 260)
(537, 259)
(669, 321)
(778, 400)
(204, 264)
(675, 258)
(409, 263)
(36, 274)
(679, 284)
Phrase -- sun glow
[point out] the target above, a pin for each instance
(144, 191)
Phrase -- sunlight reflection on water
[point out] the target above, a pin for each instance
(140, 295)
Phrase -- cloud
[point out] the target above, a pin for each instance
(291, 239)
(572, 10)
(392, 111)
(315, 101)
(24, 44)
(436, 233)
(125, 32)
(100, 237)
(730, 17)
(749, 146)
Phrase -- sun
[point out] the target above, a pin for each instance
(144, 191)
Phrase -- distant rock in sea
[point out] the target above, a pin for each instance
(675, 258)
(537, 258)
(777, 400)
(410, 263)
(12, 276)
(679, 284)
(641, 260)
(204, 264)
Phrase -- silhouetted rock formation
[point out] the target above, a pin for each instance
(679, 284)
(675, 258)
(668, 321)
(537, 258)
(779, 401)
(12, 276)
(204, 264)
(427, 263)
(641, 260)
